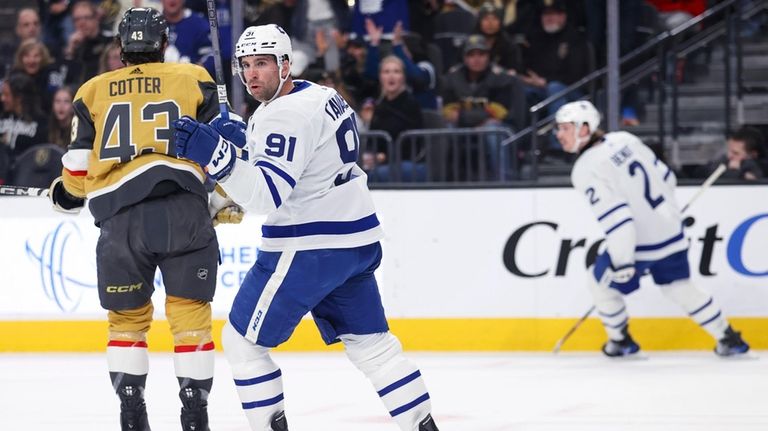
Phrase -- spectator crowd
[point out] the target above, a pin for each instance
(402, 65)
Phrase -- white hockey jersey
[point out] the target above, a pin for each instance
(632, 194)
(302, 171)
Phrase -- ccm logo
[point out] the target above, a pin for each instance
(124, 289)
(256, 320)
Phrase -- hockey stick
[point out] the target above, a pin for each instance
(704, 186)
(221, 86)
(22, 191)
(573, 329)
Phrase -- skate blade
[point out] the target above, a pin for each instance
(639, 356)
(748, 356)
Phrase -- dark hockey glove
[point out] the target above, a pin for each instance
(61, 200)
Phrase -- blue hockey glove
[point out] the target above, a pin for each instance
(232, 130)
(201, 143)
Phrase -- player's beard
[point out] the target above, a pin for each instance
(266, 90)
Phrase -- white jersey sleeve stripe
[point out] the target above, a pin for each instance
(284, 175)
(607, 213)
(618, 225)
(321, 228)
(272, 188)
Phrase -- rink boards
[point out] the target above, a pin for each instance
(462, 270)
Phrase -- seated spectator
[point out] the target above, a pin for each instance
(746, 151)
(28, 25)
(22, 123)
(60, 124)
(503, 50)
(556, 55)
(477, 94)
(420, 74)
(27, 28)
(85, 44)
(395, 112)
(32, 59)
(110, 59)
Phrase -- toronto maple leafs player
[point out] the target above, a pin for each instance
(320, 243)
(631, 193)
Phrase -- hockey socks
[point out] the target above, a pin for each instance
(397, 380)
(699, 305)
(257, 378)
(128, 365)
(610, 308)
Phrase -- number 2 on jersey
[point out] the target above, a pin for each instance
(653, 202)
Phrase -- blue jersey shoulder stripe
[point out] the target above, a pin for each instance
(284, 175)
(321, 228)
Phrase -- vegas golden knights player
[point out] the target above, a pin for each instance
(152, 210)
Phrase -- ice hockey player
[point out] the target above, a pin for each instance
(153, 212)
(631, 194)
(320, 242)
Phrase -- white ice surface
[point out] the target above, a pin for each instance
(671, 391)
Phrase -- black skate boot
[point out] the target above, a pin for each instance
(279, 423)
(427, 424)
(621, 348)
(194, 410)
(731, 344)
(133, 411)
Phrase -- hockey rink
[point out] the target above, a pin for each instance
(668, 391)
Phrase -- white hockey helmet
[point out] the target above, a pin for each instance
(268, 39)
(578, 113)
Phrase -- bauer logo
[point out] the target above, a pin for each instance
(60, 257)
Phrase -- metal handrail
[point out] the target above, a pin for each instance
(659, 41)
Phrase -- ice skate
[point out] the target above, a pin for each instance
(133, 411)
(279, 423)
(732, 345)
(624, 348)
(428, 424)
(194, 410)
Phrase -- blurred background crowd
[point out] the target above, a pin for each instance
(403, 66)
